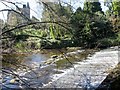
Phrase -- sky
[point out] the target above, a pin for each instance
(36, 8)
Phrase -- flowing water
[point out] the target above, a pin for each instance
(37, 69)
(44, 68)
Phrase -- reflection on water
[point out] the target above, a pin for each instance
(38, 57)
(35, 60)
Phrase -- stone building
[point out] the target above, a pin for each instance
(19, 16)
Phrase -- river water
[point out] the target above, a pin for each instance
(21, 70)
(38, 70)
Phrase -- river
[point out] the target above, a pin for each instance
(40, 69)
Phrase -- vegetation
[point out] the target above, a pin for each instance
(62, 27)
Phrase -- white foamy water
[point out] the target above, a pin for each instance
(87, 74)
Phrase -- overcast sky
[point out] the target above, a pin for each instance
(35, 7)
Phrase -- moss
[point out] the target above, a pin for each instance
(70, 60)
(64, 63)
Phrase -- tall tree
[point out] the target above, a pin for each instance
(92, 6)
(56, 11)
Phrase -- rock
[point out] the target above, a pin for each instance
(48, 62)
(14, 81)
(54, 56)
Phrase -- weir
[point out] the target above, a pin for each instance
(89, 73)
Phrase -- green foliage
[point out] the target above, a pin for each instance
(106, 42)
(58, 13)
(54, 11)
(110, 41)
(88, 28)
(92, 7)
(21, 46)
(43, 33)
(52, 34)
(117, 40)
(86, 33)
(116, 7)
(65, 11)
